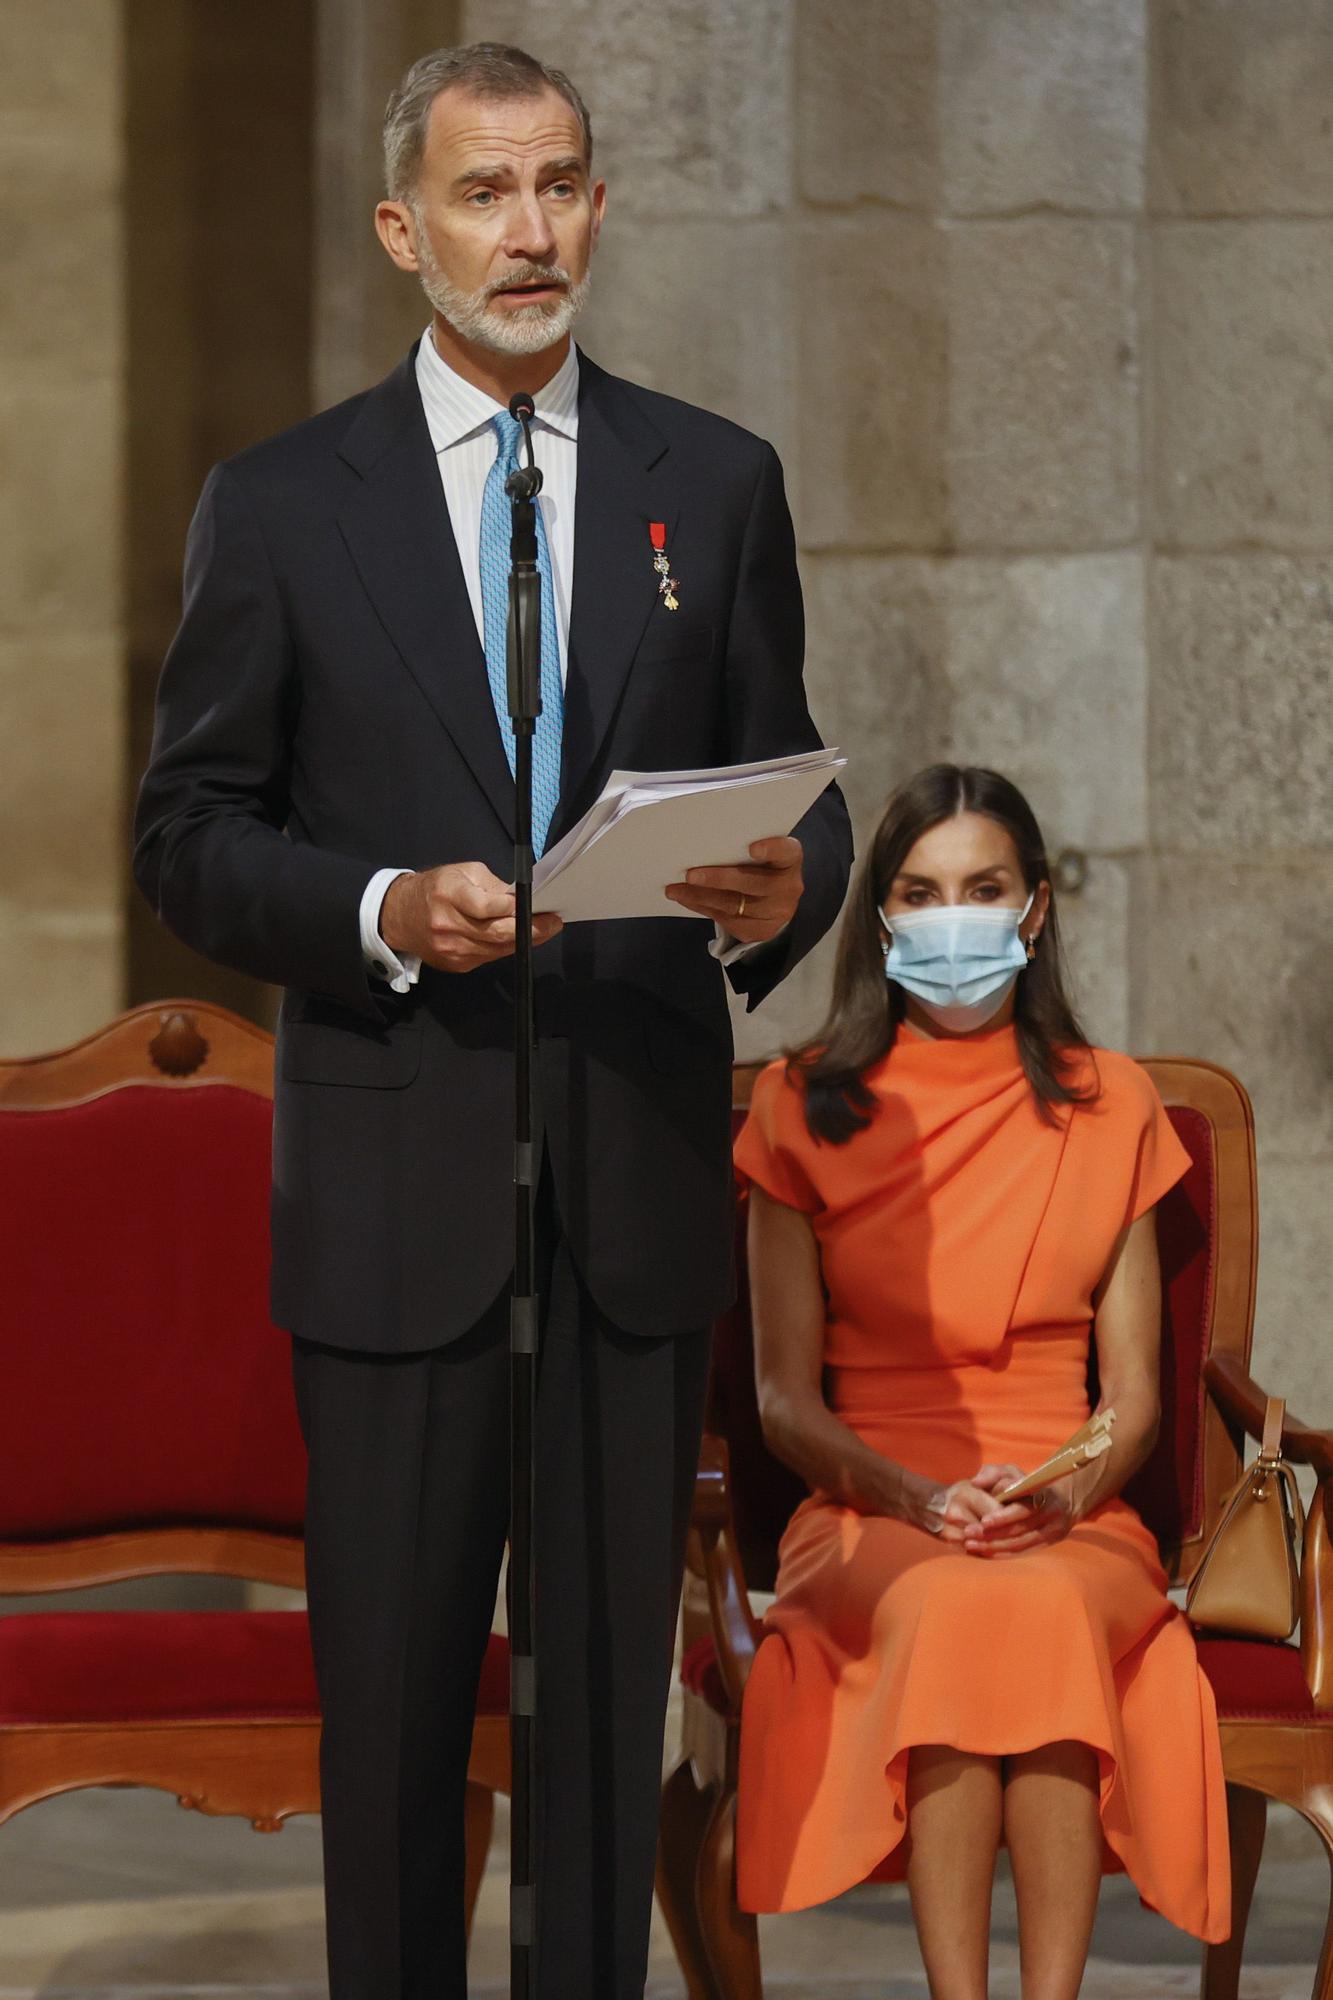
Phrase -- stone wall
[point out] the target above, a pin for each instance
(1033, 297)
(62, 359)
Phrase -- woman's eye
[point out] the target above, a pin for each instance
(986, 892)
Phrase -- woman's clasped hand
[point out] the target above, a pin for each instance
(970, 1514)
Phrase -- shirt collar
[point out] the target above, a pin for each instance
(455, 409)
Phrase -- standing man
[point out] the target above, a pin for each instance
(329, 805)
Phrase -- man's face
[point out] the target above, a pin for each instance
(504, 220)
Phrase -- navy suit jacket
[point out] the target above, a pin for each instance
(324, 711)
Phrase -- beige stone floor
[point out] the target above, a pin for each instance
(121, 1896)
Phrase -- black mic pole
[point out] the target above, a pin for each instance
(524, 663)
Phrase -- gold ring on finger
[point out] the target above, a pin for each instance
(740, 909)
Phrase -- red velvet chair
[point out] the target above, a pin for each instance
(1275, 1702)
(148, 1426)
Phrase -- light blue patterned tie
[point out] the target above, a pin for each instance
(496, 528)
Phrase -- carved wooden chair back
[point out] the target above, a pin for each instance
(150, 1425)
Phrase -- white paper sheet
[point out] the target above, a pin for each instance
(648, 827)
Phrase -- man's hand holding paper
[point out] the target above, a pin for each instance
(754, 900)
(455, 918)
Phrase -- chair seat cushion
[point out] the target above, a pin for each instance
(103, 1668)
(145, 1385)
(1251, 1678)
(1255, 1678)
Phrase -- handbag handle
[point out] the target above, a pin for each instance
(1270, 1462)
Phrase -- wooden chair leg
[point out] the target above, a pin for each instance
(1247, 1816)
(686, 1807)
(1316, 1803)
(731, 1935)
(478, 1821)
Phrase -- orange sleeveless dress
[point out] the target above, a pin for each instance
(961, 1237)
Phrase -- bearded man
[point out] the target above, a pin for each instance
(330, 806)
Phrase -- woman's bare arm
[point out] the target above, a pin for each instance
(787, 1304)
(1127, 1320)
(1127, 1327)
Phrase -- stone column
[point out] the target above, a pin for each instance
(366, 313)
(62, 413)
(970, 419)
(1235, 952)
(218, 204)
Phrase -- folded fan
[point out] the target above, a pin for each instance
(1091, 1442)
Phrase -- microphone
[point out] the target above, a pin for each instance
(524, 482)
(523, 641)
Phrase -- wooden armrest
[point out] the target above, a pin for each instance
(712, 1492)
(1241, 1401)
(736, 1630)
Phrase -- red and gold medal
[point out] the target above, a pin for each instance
(667, 585)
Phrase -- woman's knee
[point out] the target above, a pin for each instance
(1066, 1758)
(933, 1766)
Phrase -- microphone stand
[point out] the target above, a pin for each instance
(524, 675)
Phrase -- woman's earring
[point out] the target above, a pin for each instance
(1032, 945)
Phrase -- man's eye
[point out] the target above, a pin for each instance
(561, 187)
(482, 198)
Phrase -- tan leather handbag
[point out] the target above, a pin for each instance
(1248, 1581)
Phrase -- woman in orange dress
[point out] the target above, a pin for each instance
(950, 1192)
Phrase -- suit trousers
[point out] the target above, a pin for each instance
(406, 1524)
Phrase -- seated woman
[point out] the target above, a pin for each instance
(949, 1192)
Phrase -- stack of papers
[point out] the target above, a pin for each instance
(648, 827)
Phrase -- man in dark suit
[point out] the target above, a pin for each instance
(329, 806)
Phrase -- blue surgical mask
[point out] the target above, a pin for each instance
(960, 960)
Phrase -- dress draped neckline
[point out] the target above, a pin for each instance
(953, 1176)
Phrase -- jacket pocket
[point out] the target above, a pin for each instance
(315, 1053)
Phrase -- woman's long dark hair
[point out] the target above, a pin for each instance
(862, 1023)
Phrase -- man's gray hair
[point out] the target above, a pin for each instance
(489, 69)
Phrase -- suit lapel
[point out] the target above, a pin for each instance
(615, 585)
(397, 528)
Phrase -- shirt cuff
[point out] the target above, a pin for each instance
(729, 950)
(401, 973)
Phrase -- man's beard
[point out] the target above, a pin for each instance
(508, 330)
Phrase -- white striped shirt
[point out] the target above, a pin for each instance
(458, 416)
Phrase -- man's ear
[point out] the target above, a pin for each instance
(598, 212)
(397, 232)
